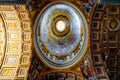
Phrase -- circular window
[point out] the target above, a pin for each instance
(60, 35)
(60, 26)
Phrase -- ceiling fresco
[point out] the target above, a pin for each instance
(60, 48)
(35, 6)
(59, 40)
(87, 5)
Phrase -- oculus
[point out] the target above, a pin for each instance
(60, 26)
(60, 35)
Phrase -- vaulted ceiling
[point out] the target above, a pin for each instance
(27, 54)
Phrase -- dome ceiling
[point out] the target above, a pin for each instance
(60, 35)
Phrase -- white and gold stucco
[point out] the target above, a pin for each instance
(15, 42)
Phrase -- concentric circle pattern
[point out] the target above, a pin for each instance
(60, 34)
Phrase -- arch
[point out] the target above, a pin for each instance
(105, 40)
(18, 47)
